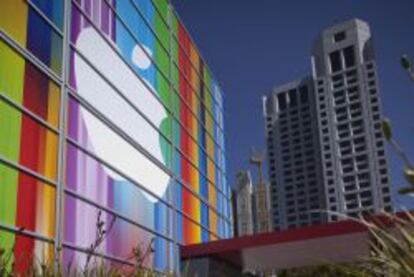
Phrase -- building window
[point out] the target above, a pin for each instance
(282, 100)
(340, 36)
(335, 59)
(304, 94)
(387, 199)
(365, 194)
(349, 56)
(293, 98)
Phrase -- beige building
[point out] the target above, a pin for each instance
(261, 209)
(244, 205)
(252, 205)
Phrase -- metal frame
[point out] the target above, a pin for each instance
(67, 92)
(62, 134)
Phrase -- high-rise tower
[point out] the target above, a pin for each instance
(325, 145)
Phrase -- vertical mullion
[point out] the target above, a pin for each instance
(62, 137)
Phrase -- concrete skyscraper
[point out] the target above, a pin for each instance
(325, 145)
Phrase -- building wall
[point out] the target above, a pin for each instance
(296, 183)
(111, 114)
(262, 208)
(349, 111)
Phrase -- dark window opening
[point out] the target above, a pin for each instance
(282, 101)
(339, 36)
(304, 94)
(335, 59)
(293, 98)
(349, 55)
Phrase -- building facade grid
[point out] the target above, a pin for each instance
(326, 150)
(191, 136)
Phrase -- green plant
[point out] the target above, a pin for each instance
(101, 235)
(139, 256)
(392, 245)
(5, 262)
(391, 255)
(93, 266)
(325, 270)
(388, 134)
(406, 65)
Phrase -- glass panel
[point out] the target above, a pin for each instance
(19, 133)
(52, 9)
(98, 138)
(32, 32)
(24, 84)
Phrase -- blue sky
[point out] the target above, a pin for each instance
(252, 46)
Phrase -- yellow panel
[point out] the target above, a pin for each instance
(209, 123)
(210, 146)
(211, 171)
(13, 19)
(195, 58)
(53, 104)
(213, 222)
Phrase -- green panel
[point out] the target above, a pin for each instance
(175, 72)
(163, 62)
(11, 84)
(161, 58)
(162, 7)
(174, 31)
(162, 84)
(56, 53)
(177, 132)
(161, 30)
(176, 104)
(166, 151)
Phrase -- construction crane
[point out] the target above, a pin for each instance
(257, 158)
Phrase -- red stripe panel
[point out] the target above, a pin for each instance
(31, 144)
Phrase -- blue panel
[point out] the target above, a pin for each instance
(52, 9)
(161, 212)
(179, 204)
(127, 43)
(205, 222)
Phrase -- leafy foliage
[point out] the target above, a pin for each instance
(94, 265)
(387, 131)
(326, 270)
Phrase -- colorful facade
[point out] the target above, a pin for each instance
(108, 111)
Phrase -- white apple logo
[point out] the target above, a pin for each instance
(105, 143)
